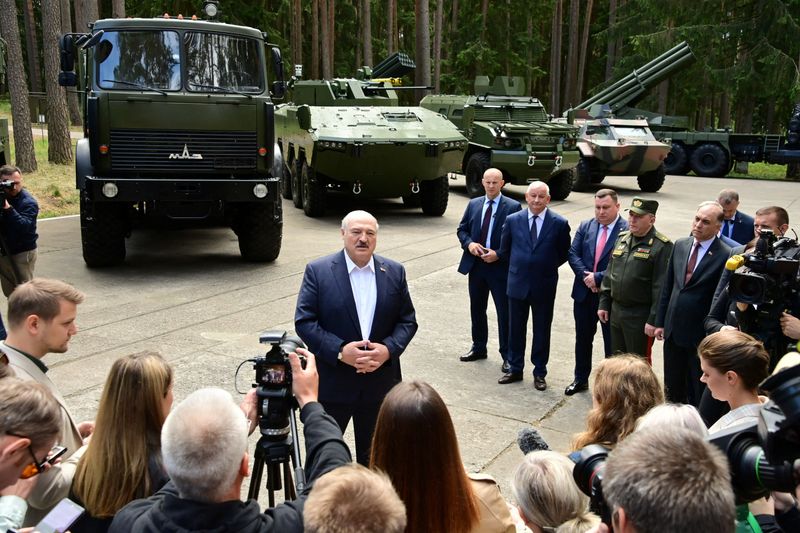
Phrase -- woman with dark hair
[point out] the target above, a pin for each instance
(625, 388)
(123, 460)
(415, 444)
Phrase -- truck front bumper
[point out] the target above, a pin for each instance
(101, 189)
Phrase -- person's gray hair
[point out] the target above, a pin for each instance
(727, 196)
(671, 415)
(536, 184)
(670, 479)
(720, 213)
(352, 215)
(203, 441)
(547, 494)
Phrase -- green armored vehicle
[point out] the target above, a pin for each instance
(511, 132)
(350, 136)
(178, 123)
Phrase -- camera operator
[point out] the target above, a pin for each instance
(204, 444)
(18, 230)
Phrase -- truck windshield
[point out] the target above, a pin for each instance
(148, 60)
(223, 63)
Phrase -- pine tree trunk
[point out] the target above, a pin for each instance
(529, 33)
(332, 37)
(611, 47)
(117, 9)
(555, 60)
(366, 17)
(324, 40)
(296, 37)
(80, 17)
(17, 88)
(315, 39)
(508, 38)
(422, 74)
(90, 9)
(587, 23)
(390, 13)
(572, 56)
(32, 47)
(724, 110)
(59, 149)
(72, 98)
(437, 45)
(484, 16)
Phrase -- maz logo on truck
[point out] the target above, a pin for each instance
(186, 154)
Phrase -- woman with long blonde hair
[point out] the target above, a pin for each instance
(625, 388)
(123, 460)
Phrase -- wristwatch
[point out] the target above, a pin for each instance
(339, 357)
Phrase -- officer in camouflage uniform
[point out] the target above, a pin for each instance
(631, 288)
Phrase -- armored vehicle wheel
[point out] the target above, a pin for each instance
(583, 176)
(412, 200)
(433, 196)
(476, 166)
(677, 161)
(561, 184)
(258, 231)
(286, 183)
(297, 187)
(103, 235)
(709, 160)
(313, 193)
(653, 180)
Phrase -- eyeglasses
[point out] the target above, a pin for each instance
(35, 467)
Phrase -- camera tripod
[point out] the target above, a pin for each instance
(275, 456)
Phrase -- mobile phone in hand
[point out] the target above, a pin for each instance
(55, 453)
(60, 518)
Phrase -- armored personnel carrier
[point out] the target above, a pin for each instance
(350, 136)
(511, 132)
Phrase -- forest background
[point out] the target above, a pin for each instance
(746, 77)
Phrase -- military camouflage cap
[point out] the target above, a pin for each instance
(640, 206)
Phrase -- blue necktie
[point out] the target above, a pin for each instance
(729, 228)
(534, 231)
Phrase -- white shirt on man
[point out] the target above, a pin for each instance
(365, 292)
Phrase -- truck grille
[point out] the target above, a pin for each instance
(176, 151)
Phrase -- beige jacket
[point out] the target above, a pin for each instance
(54, 485)
(495, 516)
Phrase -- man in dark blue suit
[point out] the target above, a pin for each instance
(535, 243)
(736, 225)
(355, 313)
(479, 235)
(694, 270)
(588, 258)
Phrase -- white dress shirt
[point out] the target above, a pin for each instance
(539, 220)
(365, 292)
(701, 251)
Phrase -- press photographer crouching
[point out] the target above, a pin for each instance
(204, 446)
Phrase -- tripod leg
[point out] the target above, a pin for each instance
(258, 469)
(289, 492)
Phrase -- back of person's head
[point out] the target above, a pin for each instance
(671, 415)
(415, 443)
(670, 479)
(203, 441)
(625, 387)
(27, 411)
(354, 499)
(736, 351)
(41, 297)
(127, 434)
(548, 496)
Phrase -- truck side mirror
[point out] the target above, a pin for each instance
(304, 117)
(278, 86)
(65, 44)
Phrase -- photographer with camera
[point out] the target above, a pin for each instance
(17, 230)
(204, 446)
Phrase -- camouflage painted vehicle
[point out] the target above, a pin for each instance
(172, 130)
(512, 132)
(350, 136)
(620, 147)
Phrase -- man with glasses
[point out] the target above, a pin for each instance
(41, 320)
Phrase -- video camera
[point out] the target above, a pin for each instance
(274, 383)
(5, 186)
(768, 276)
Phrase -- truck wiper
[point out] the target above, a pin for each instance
(137, 85)
(227, 90)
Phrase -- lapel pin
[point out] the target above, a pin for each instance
(383, 269)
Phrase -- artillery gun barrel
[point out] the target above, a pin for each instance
(629, 89)
(395, 66)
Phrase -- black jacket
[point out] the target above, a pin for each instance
(18, 224)
(166, 512)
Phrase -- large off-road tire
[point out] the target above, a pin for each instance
(297, 186)
(412, 200)
(103, 234)
(653, 180)
(709, 161)
(313, 193)
(259, 232)
(286, 183)
(476, 166)
(677, 161)
(583, 176)
(561, 184)
(433, 196)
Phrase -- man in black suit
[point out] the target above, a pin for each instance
(736, 225)
(588, 258)
(535, 243)
(479, 234)
(695, 267)
(355, 313)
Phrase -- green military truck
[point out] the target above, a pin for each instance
(511, 132)
(178, 122)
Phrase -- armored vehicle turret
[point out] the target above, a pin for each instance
(351, 136)
(512, 132)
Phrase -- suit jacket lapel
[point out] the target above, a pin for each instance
(339, 271)
(547, 224)
(713, 249)
(381, 286)
(591, 239)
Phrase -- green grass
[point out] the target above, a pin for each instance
(762, 171)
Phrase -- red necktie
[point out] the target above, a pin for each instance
(487, 217)
(692, 262)
(601, 244)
